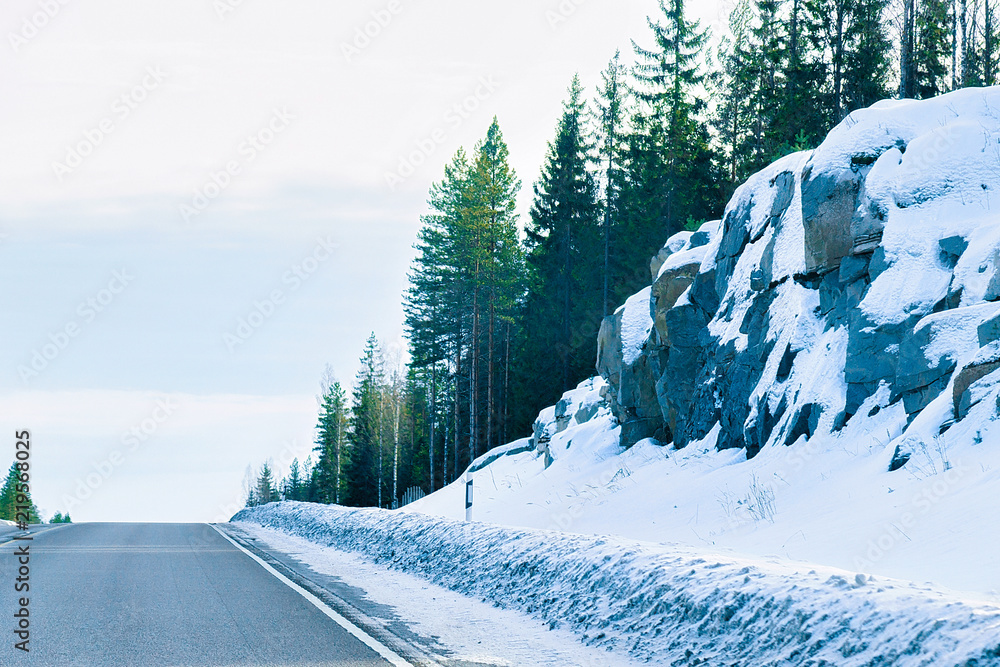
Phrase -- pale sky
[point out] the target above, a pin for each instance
(204, 202)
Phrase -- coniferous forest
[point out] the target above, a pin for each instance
(502, 313)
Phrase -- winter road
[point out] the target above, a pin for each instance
(160, 594)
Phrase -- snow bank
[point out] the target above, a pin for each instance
(665, 604)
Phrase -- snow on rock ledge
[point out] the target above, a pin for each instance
(577, 407)
(663, 604)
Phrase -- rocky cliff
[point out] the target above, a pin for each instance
(840, 282)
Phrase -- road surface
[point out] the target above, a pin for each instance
(160, 594)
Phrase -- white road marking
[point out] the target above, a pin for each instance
(369, 641)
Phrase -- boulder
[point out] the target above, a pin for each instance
(638, 408)
(669, 286)
(989, 331)
(677, 243)
(952, 249)
(609, 350)
(829, 200)
(986, 363)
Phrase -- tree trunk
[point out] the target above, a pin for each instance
(489, 378)
(608, 188)
(838, 65)
(506, 387)
(458, 376)
(395, 441)
(433, 420)
(964, 28)
(381, 417)
(567, 284)
(907, 75)
(340, 442)
(473, 379)
(988, 54)
(447, 436)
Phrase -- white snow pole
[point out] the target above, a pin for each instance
(468, 496)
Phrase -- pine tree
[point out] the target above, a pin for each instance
(465, 285)
(496, 260)
(436, 303)
(979, 52)
(850, 41)
(734, 85)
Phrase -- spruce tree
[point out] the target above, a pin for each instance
(363, 479)
(564, 305)
(611, 108)
(933, 47)
(265, 490)
(330, 438)
(867, 58)
(15, 494)
(672, 177)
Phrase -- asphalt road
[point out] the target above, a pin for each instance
(153, 595)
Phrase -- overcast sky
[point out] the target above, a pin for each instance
(204, 202)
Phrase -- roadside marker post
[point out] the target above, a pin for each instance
(468, 497)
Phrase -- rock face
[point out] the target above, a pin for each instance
(840, 282)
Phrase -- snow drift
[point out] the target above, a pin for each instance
(665, 604)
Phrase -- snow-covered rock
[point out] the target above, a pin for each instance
(869, 262)
(576, 407)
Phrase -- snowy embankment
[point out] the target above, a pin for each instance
(665, 604)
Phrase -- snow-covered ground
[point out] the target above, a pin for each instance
(828, 501)
(458, 629)
(659, 604)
